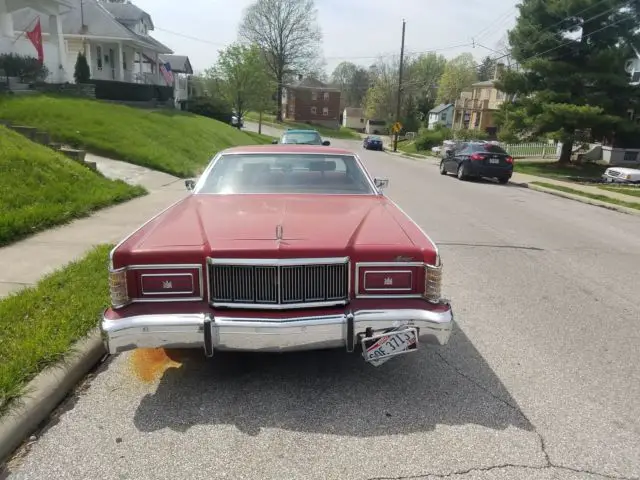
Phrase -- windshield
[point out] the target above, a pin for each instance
(305, 138)
(286, 173)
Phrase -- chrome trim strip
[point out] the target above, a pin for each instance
(277, 262)
(249, 333)
(190, 275)
(119, 244)
(279, 306)
(364, 283)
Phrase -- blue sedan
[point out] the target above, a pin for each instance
(373, 142)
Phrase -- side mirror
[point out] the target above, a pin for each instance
(274, 142)
(190, 184)
(381, 183)
(326, 143)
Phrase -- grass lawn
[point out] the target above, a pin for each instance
(631, 191)
(42, 188)
(171, 141)
(593, 196)
(343, 133)
(38, 325)
(558, 171)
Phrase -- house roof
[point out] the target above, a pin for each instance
(312, 84)
(128, 13)
(441, 108)
(356, 112)
(98, 20)
(486, 83)
(178, 63)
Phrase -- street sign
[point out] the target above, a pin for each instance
(396, 127)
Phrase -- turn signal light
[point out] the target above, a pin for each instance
(118, 288)
(433, 283)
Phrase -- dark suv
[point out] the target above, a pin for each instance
(478, 159)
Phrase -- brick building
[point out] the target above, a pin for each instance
(311, 101)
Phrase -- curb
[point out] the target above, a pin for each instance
(579, 198)
(46, 391)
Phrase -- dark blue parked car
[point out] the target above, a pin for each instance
(373, 142)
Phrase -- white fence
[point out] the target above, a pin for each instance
(541, 149)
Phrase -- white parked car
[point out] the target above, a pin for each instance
(621, 175)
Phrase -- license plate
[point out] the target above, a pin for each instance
(380, 348)
(494, 160)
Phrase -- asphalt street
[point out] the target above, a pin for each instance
(541, 379)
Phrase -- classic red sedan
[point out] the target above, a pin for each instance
(279, 248)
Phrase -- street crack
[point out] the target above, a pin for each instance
(543, 446)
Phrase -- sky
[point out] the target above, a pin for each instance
(353, 30)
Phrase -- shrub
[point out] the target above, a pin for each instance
(466, 134)
(82, 74)
(508, 136)
(429, 139)
(27, 69)
(211, 107)
(133, 92)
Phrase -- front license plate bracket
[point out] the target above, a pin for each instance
(380, 347)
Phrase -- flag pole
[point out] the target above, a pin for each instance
(26, 29)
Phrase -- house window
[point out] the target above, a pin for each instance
(362, 120)
(325, 112)
(314, 96)
(443, 116)
(326, 96)
(99, 57)
(313, 110)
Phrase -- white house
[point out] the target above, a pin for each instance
(13, 39)
(182, 72)
(376, 127)
(114, 36)
(442, 114)
(354, 118)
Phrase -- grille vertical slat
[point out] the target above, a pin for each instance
(278, 285)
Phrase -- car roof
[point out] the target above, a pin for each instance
(301, 130)
(287, 148)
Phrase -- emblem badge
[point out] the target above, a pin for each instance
(167, 285)
(279, 232)
(388, 281)
(403, 258)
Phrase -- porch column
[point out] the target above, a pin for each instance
(120, 62)
(139, 53)
(55, 25)
(157, 62)
(6, 21)
(87, 54)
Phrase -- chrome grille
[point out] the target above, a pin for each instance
(276, 285)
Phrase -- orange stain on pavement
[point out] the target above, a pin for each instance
(149, 364)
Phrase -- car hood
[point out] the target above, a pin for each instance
(320, 225)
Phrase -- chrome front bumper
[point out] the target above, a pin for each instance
(266, 335)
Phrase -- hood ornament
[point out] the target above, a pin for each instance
(279, 232)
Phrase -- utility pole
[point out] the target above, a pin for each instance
(395, 138)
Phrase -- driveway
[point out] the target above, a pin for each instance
(540, 379)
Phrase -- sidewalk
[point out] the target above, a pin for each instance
(25, 262)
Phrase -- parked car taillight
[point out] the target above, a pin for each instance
(433, 283)
(118, 288)
(476, 157)
(509, 159)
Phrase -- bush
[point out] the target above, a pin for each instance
(507, 136)
(429, 139)
(82, 74)
(211, 107)
(467, 134)
(27, 69)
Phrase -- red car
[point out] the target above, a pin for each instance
(279, 248)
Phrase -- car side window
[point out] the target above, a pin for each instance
(461, 149)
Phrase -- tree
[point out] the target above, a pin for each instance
(458, 75)
(573, 76)
(423, 77)
(240, 77)
(82, 74)
(288, 35)
(486, 69)
(353, 82)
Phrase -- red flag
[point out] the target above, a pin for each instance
(35, 36)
